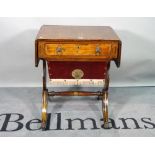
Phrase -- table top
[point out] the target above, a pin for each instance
(61, 32)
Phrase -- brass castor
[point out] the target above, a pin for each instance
(44, 109)
(105, 109)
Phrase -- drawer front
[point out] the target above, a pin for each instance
(105, 50)
(77, 70)
(81, 49)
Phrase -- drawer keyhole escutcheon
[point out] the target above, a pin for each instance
(59, 50)
(77, 73)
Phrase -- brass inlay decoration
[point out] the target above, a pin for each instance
(77, 73)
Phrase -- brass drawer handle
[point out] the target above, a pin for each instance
(98, 50)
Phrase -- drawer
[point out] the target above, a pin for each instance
(77, 70)
(97, 50)
(77, 49)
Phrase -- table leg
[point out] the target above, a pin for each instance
(44, 109)
(105, 108)
(44, 98)
(44, 75)
(105, 99)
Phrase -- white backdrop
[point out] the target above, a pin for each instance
(17, 37)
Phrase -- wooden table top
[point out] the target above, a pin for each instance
(80, 33)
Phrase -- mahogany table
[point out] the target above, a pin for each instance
(77, 55)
